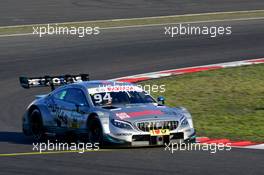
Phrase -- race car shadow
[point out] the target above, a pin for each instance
(14, 137)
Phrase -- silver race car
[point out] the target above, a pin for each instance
(103, 112)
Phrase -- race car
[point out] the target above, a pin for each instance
(104, 112)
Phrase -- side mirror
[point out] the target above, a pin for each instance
(161, 100)
(82, 108)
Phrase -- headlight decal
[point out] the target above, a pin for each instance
(121, 124)
(184, 122)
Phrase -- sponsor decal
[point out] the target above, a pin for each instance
(115, 88)
(146, 112)
(123, 134)
(122, 115)
(159, 132)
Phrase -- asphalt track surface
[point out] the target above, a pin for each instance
(115, 53)
(15, 12)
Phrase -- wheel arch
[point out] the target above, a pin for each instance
(92, 116)
(30, 110)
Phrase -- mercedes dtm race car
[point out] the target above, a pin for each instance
(103, 112)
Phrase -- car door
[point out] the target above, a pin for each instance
(61, 108)
(75, 100)
(65, 107)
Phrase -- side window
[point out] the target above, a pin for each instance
(75, 96)
(60, 95)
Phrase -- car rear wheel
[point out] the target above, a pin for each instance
(36, 125)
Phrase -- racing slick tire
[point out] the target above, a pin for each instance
(95, 132)
(36, 125)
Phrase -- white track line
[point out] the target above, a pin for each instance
(147, 25)
(151, 17)
(18, 34)
(151, 25)
(192, 22)
(260, 146)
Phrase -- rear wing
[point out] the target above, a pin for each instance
(51, 81)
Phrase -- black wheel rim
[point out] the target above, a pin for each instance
(36, 126)
(95, 134)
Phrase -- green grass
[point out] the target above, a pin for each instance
(226, 103)
(141, 21)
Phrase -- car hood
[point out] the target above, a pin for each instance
(143, 112)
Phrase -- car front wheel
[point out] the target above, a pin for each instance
(95, 133)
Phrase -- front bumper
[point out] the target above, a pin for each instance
(148, 140)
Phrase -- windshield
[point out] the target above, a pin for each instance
(121, 97)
